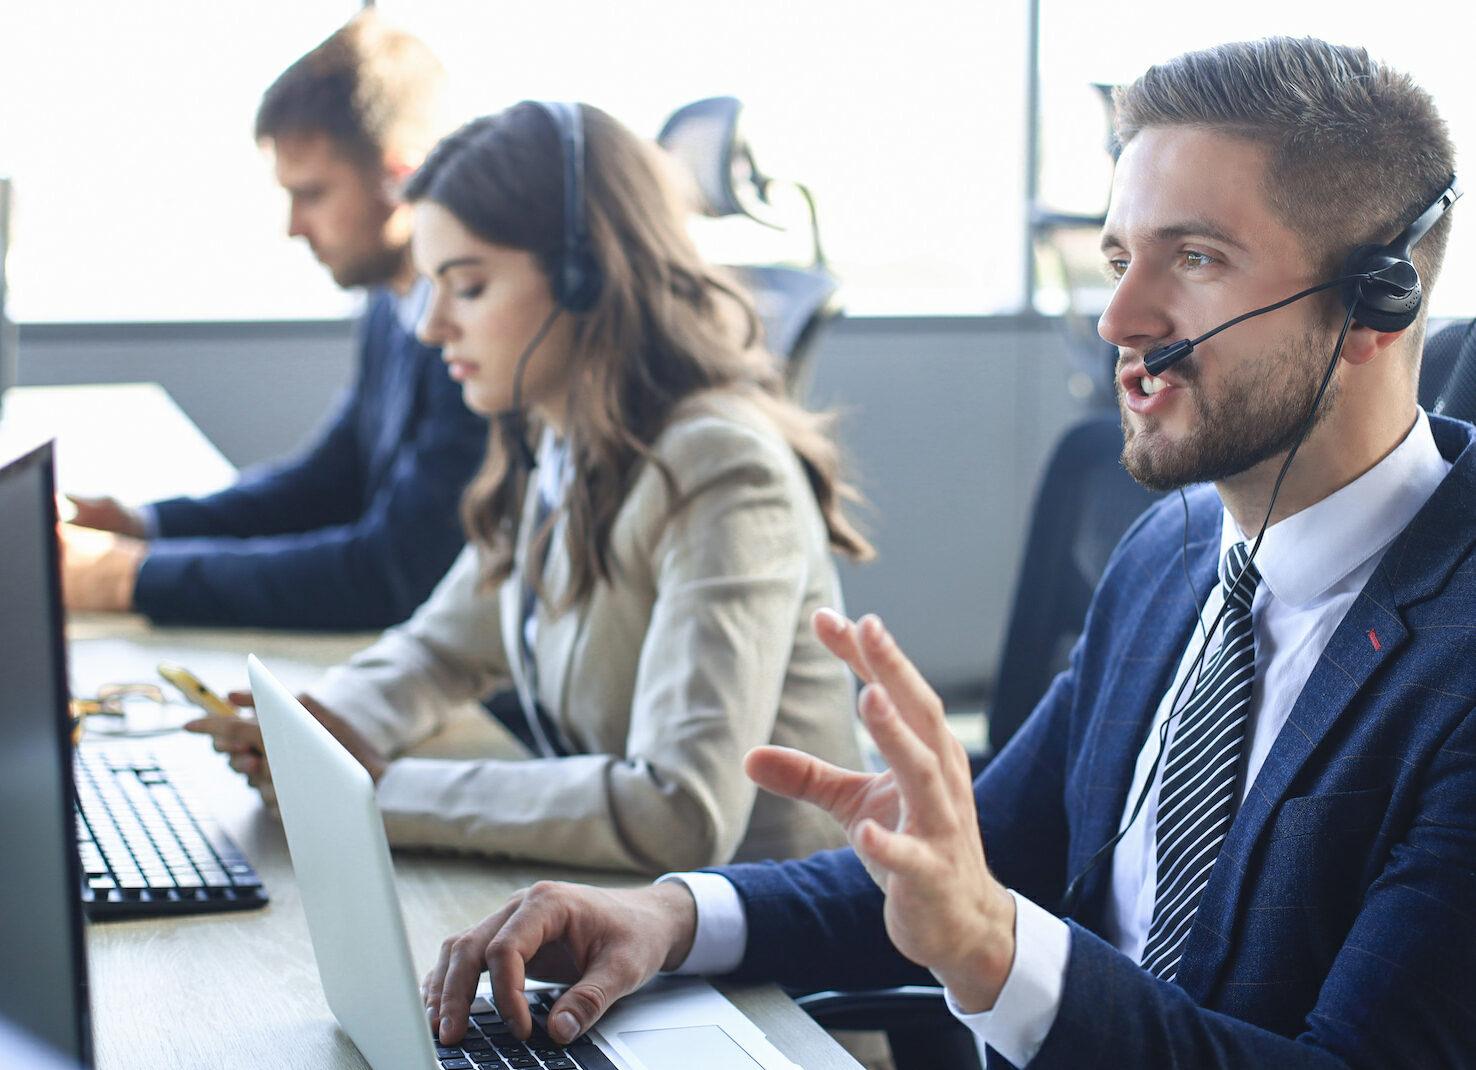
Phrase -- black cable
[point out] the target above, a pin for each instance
(511, 418)
(1184, 562)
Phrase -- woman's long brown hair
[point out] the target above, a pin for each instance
(666, 326)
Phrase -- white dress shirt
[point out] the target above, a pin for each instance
(1312, 565)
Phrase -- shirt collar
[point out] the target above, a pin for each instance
(409, 308)
(1306, 554)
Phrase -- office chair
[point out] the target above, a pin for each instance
(1068, 255)
(1084, 504)
(794, 300)
(1448, 371)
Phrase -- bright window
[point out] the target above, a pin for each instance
(140, 194)
(1083, 43)
(139, 191)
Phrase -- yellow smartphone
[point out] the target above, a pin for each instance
(191, 687)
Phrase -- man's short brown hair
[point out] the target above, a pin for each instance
(1356, 149)
(370, 87)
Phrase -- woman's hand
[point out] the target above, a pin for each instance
(240, 738)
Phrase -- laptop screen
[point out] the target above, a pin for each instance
(43, 983)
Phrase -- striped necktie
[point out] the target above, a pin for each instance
(1197, 797)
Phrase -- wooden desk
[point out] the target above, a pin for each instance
(241, 989)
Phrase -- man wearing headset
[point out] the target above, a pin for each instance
(355, 531)
(1323, 913)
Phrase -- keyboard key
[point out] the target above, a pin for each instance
(142, 847)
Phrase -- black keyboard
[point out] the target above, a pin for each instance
(145, 851)
(490, 1045)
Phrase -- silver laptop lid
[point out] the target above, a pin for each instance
(345, 879)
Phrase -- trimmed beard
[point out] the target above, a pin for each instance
(378, 269)
(1258, 414)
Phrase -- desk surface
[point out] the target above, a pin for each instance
(129, 440)
(241, 989)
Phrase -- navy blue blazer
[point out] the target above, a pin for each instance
(1338, 928)
(350, 534)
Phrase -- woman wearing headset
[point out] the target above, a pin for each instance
(645, 589)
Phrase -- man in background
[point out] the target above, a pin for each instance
(353, 532)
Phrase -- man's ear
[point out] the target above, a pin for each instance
(397, 168)
(1363, 344)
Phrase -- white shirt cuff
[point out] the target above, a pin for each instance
(1026, 1009)
(722, 925)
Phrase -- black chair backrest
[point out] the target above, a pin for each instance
(1448, 371)
(1086, 501)
(793, 300)
(793, 304)
(704, 136)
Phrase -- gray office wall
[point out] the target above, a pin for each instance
(947, 422)
(256, 389)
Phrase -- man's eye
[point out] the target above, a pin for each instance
(1198, 260)
(470, 293)
(1115, 269)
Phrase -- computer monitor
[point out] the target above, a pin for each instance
(9, 333)
(43, 960)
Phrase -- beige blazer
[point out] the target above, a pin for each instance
(699, 650)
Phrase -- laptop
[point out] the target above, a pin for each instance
(346, 882)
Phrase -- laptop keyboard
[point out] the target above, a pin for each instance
(490, 1045)
(145, 851)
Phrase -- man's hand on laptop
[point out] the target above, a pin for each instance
(240, 738)
(604, 944)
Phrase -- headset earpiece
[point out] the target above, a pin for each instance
(579, 279)
(1384, 292)
(575, 276)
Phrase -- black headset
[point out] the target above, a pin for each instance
(574, 274)
(576, 277)
(1379, 285)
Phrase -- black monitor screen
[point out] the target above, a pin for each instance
(43, 975)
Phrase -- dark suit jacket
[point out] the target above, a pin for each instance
(352, 533)
(1338, 927)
